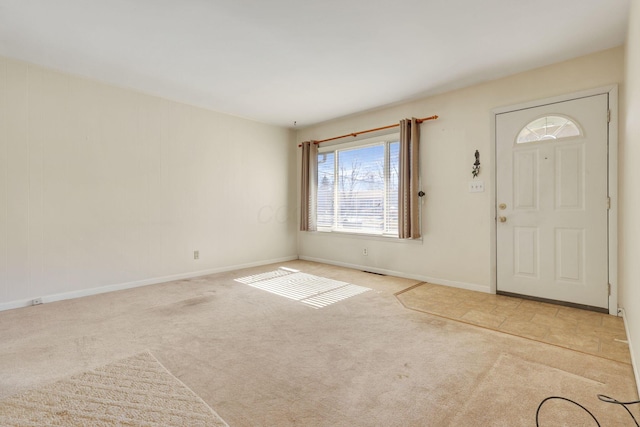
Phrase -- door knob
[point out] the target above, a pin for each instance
(502, 218)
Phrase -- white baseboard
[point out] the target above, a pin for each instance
(633, 359)
(434, 280)
(138, 283)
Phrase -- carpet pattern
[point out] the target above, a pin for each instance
(137, 391)
(314, 291)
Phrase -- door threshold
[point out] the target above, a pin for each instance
(556, 302)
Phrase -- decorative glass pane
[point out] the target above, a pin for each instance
(548, 127)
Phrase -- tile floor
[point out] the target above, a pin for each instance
(586, 331)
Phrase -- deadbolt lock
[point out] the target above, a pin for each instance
(502, 206)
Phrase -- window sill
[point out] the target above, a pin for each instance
(364, 236)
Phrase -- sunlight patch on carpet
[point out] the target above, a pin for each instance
(314, 291)
(137, 391)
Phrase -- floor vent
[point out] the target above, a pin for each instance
(373, 272)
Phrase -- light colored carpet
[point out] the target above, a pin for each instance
(531, 382)
(261, 360)
(137, 391)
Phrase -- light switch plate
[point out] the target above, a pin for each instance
(476, 186)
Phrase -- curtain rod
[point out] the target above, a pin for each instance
(354, 134)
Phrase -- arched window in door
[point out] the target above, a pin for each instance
(548, 127)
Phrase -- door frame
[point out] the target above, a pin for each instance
(612, 185)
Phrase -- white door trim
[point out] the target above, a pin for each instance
(612, 189)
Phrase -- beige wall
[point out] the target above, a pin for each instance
(104, 188)
(630, 195)
(457, 224)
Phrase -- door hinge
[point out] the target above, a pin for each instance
(608, 116)
(609, 288)
(608, 203)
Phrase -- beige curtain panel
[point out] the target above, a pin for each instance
(308, 185)
(409, 202)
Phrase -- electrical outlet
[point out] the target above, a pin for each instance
(476, 186)
(365, 252)
(36, 301)
(196, 254)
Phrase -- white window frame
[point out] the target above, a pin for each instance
(361, 143)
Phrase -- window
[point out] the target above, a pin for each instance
(549, 127)
(358, 187)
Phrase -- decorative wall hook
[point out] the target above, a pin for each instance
(476, 165)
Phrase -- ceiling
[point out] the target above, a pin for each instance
(286, 61)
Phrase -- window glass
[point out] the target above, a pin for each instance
(361, 186)
(358, 189)
(548, 127)
(326, 181)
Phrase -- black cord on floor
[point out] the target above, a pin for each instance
(568, 400)
(608, 399)
(602, 397)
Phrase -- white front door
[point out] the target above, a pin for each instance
(552, 201)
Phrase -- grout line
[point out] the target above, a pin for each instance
(501, 323)
(409, 289)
